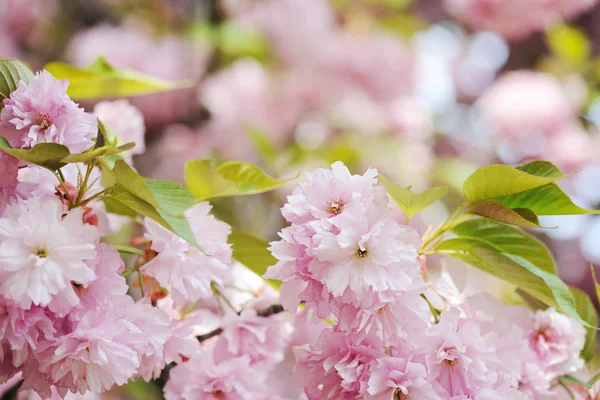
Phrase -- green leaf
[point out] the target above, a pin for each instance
(508, 240)
(410, 202)
(47, 155)
(519, 216)
(163, 201)
(596, 284)
(541, 284)
(542, 168)
(587, 311)
(101, 80)
(114, 206)
(233, 178)
(11, 73)
(93, 152)
(497, 180)
(253, 252)
(569, 44)
(544, 200)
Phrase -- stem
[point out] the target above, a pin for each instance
(141, 282)
(561, 383)
(83, 189)
(61, 178)
(94, 197)
(448, 224)
(225, 299)
(434, 311)
(128, 250)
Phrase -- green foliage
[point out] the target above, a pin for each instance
(410, 202)
(253, 253)
(47, 155)
(514, 257)
(518, 195)
(234, 178)
(508, 240)
(163, 201)
(101, 80)
(544, 200)
(11, 73)
(498, 180)
(54, 156)
(587, 311)
(518, 216)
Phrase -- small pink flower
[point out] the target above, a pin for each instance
(183, 269)
(330, 193)
(339, 363)
(557, 340)
(42, 253)
(204, 379)
(262, 339)
(108, 288)
(126, 121)
(42, 112)
(96, 355)
(400, 378)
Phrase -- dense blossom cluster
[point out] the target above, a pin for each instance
(346, 258)
(67, 322)
(356, 316)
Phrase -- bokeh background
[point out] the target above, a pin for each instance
(424, 90)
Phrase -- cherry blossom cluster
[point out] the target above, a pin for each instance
(67, 323)
(345, 258)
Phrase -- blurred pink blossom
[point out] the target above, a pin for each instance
(515, 19)
(530, 115)
(132, 46)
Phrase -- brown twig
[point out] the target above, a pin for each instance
(267, 312)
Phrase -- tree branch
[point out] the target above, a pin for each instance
(265, 313)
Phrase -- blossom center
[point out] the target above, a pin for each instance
(335, 207)
(218, 394)
(451, 363)
(79, 289)
(399, 395)
(42, 252)
(44, 121)
(361, 252)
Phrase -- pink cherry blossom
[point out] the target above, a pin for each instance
(262, 339)
(126, 121)
(150, 337)
(557, 340)
(183, 269)
(371, 260)
(463, 360)
(108, 288)
(329, 193)
(42, 112)
(338, 363)
(395, 377)
(42, 253)
(96, 355)
(203, 379)
(25, 331)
